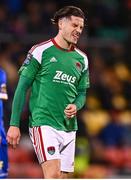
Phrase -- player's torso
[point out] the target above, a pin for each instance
(55, 86)
(60, 68)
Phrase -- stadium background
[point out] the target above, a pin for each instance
(104, 138)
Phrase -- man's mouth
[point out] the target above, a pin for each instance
(76, 36)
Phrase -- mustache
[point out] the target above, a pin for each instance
(77, 34)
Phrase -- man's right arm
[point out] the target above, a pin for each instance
(13, 134)
(19, 100)
(27, 73)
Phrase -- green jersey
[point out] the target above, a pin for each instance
(57, 76)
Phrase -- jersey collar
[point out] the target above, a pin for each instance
(68, 50)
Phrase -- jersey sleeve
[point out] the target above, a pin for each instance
(30, 66)
(84, 81)
(19, 100)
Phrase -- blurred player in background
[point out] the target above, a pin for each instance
(3, 142)
(57, 73)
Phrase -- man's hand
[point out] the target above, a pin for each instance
(13, 136)
(70, 111)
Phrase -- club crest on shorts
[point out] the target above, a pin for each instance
(51, 150)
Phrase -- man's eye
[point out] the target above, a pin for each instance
(74, 25)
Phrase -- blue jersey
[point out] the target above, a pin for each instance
(3, 95)
(3, 143)
(2, 82)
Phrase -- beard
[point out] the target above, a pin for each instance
(69, 41)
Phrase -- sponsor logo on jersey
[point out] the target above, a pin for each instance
(62, 77)
(51, 150)
(53, 59)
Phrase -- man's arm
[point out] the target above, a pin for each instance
(27, 72)
(83, 85)
(13, 134)
(71, 110)
(80, 99)
(79, 102)
(19, 100)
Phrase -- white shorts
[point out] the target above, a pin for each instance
(50, 144)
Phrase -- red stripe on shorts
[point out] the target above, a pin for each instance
(42, 144)
(34, 139)
(35, 142)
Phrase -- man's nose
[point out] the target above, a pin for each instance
(79, 30)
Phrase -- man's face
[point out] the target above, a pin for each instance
(71, 28)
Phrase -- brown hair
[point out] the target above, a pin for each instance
(67, 11)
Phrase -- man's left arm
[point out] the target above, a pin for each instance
(72, 109)
(84, 84)
(79, 102)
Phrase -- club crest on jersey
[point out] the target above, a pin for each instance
(78, 65)
(51, 150)
(28, 58)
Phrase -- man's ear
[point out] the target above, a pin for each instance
(60, 24)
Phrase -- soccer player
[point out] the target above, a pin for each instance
(3, 142)
(57, 72)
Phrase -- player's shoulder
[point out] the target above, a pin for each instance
(83, 56)
(81, 53)
(41, 46)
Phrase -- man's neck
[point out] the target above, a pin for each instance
(62, 43)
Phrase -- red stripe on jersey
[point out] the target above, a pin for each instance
(42, 144)
(37, 45)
